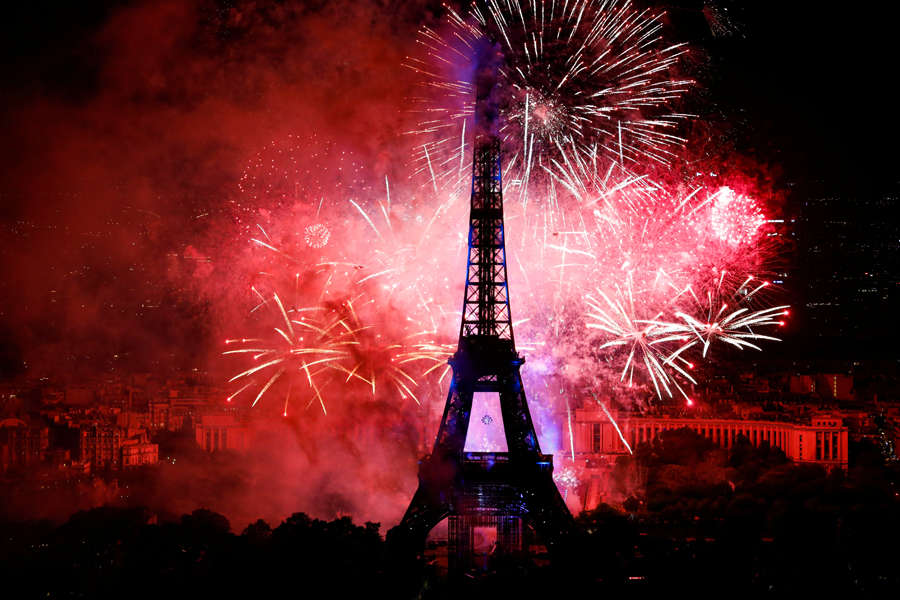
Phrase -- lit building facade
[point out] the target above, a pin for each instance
(21, 444)
(823, 442)
(837, 386)
(597, 442)
(222, 432)
(100, 445)
(138, 451)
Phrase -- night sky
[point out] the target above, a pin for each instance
(125, 126)
(810, 84)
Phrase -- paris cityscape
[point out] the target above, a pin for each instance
(377, 298)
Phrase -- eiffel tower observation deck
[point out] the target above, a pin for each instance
(504, 495)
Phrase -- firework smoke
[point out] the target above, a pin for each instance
(212, 197)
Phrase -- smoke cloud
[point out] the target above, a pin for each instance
(128, 205)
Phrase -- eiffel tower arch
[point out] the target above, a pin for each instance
(501, 492)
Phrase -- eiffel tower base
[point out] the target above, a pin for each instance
(490, 500)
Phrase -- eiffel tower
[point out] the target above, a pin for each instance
(499, 493)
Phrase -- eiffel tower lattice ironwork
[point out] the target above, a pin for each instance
(501, 491)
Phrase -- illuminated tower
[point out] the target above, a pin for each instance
(496, 494)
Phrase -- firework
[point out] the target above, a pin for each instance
(566, 478)
(644, 340)
(325, 346)
(579, 80)
(728, 317)
(720, 21)
(735, 219)
(299, 169)
(303, 342)
(645, 247)
(316, 235)
(614, 424)
(660, 344)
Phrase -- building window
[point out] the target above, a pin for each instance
(834, 447)
(596, 437)
(818, 445)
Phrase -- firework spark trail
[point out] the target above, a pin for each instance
(734, 327)
(645, 339)
(325, 346)
(614, 424)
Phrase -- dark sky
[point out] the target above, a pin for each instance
(114, 113)
(815, 81)
(811, 80)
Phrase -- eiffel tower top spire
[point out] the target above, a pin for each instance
(486, 312)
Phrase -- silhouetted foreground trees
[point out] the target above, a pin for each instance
(123, 553)
(747, 519)
(708, 523)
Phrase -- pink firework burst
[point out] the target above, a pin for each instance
(580, 80)
(316, 235)
(736, 219)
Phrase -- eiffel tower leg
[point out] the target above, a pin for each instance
(451, 438)
(549, 515)
(425, 511)
(438, 473)
(519, 429)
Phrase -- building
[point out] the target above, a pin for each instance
(138, 451)
(823, 442)
(847, 267)
(159, 414)
(181, 409)
(99, 444)
(130, 419)
(835, 386)
(598, 442)
(21, 444)
(222, 432)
